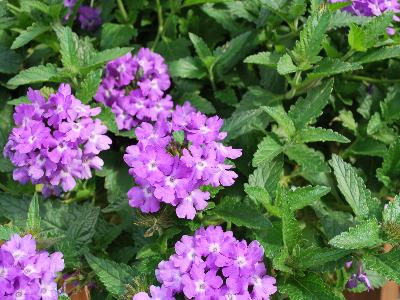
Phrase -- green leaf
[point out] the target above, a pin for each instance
(33, 221)
(377, 54)
(390, 106)
(291, 231)
(100, 58)
(357, 38)
(306, 51)
(108, 119)
(267, 150)
(310, 287)
(352, 187)
(363, 235)
(89, 86)
(10, 61)
(389, 172)
(240, 213)
(264, 58)
(113, 275)
(391, 212)
(285, 65)
(333, 66)
(385, 264)
(7, 231)
(179, 136)
(69, 47)
(200, 46)
(39, 74)
(116, 35)
(227, 96)
(282, 118)
(318, 134)
(188, 67)
(261, 196)
(313, 257)
(304, 196)
(347, 119)
(29, 34)
(307, 110)
(200, 103)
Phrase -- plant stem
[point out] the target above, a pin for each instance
(160, 24)
(3, 187)
(373, 80)
(122, 9)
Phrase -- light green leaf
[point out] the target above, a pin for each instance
(89, 86)
(391, 212)
(42, 73)
(285, 65)
(108, 119)
(304, 196)
(116, 35)
(267, 150)
(347, 119)
(29, 34)
(200, 46)
(291, 231)
(282, 118)
(385, 264)
(357, 38)
(113, 275)
(352, 187)
(263, 58)
(318, 134)
(306, 111)
(241, 213)
(7, 231)
(390, 170)
(261, 196)
(363, 235)
(33, 220)
(69, 47)
(333, 66)
(188, 67)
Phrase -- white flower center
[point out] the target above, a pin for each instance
(214, 247)
(151, 165)
(241, 261)
(204, 129)
(200, 286)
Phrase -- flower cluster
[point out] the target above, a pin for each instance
(146, 77)
(26, 273)
(210, 265)
(55, 141)
(89, 17)
(174, 158)
(372, 8)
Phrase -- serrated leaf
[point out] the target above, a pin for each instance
(385, 264)
(33, 220)
(377, 54)
(10, 61)
(200, 46)
(29, 34)
(282, 118)
(261, 196)
(341, 18)
(306, 51)
(310, 287)
(357, 38)
(113, 275)
(89, 86)
(390, 170)
(199, 102)
(285, 65)
(241, 213)
(108, 119)
(347, 119)
(314, 257)
(306, 111)
(188, 67)
(304, 196)
(267, 150)
(243, 122)
(391, 212)
(116, 35)
(100, 58)
(363, 235)
(43, 73)
(318, 134)
(352, 187)
(333, 66)
(69, 45)
(291, 231)
(7, 231)
(390, 106)
(263, 58)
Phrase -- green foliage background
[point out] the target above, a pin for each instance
(310, 93)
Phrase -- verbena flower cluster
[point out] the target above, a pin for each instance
(174, 158)
(372, 8)
(146, 78)
(213, 265)
(89, 17)
(26, 273)
(56, 141)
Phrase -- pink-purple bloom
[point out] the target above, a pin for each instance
(134, 87)
(25, 272)
(89, 17)
(213, 265)
(174, 172)
(56, 141)
(372, 8)
(357, 278)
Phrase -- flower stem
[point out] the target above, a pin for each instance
(160, 24)
(122, 10)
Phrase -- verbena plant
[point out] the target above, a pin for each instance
(308, 90)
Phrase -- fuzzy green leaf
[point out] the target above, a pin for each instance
(116, 35)
(306, 111)
(333, 66)
(7, 231)
(33, 220)
(267, 150)
(377, 54)
(29, 34)
(391, 213)
(261, 196)
(313, 256)
(100, 58)
(282, 118)
(263, 58)
(318, 134)
(363, 235)
(390, 170)
(285, 65)
(385, 264)
(304, 196)
(69, 47)
(10, 61)
(188, 67)
(200, 46)
(89, 86)
(39, 74)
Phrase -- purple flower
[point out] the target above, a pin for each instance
(26, 273)
(193, 271)
(360, 277)
(156, 294)
(89, 18)
(56, 141)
